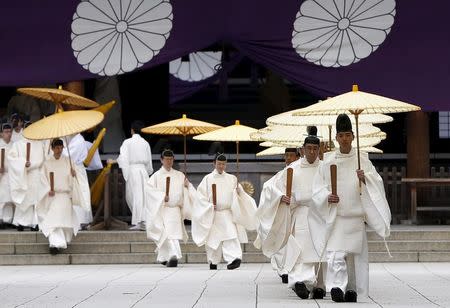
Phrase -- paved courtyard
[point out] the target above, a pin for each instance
(253, 285)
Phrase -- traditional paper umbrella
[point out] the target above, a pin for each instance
(297, 134)
(272, 151)
(233, 133)
(183, 126)
(357, 103)
(372, 150)
(63, 124)
(105, 108)
(290, 119)
(59, 97)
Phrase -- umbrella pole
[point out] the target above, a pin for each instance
(237, 159)
(329, 138)
(184, 147)
(356, 113)
(68, 151)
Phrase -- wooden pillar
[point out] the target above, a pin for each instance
(418, 145)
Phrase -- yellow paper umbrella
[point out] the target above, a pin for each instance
(63, 124)
(357, 103)
(94, 147)
(183, 126)
(105, 108)
(98, 186)
(59, 97)
(233, 133)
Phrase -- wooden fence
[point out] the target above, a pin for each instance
(397, 193)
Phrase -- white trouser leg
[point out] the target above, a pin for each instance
(8, 212)
(303, 272)
(231, 250)
(214, 255)
(169, 249)
(27, 218)
(337, 276)
(57, 238)
(277, 262)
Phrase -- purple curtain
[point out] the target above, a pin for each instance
(180, 89)
(411, 63)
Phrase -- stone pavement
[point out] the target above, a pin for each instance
(194, 285)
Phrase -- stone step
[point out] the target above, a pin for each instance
(410, 235)
(146, 258)
(419, 245)
(140, 236)
(112, 258)
(149, 247)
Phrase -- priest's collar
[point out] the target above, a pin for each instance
(165, 170)
(216, 173)
(305, 163)
(343, 155)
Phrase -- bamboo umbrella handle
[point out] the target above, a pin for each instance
(2, 159)
(167, 186)
(214, 194)
(28, 152)
(333, 172)
(52, 181)
(290, 173)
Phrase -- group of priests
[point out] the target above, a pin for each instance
(311, 219)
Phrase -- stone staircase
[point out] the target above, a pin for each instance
(407, 244)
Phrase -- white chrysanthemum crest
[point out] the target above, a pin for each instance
(334, 33)
(111, 37)
(201, 65)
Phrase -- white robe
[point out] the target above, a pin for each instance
(302, 259)
(268, 192)
(56, 215)
(135, 160)
(6, 204)
(16, 135)
(235, 212)
(341, 227)
(283, 230)
(78, 152)
(273, 218)
(24, 182)
(165, 220)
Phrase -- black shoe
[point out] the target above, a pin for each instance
(19, 228)
(53, 251)
(337, 295)
(301, 290)
(2, 226)
(164, 263)
(173, 262)
(350, 296)
(212, 266)
(235, 264)
(284, 278)
(35, 228)
(318, 293)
